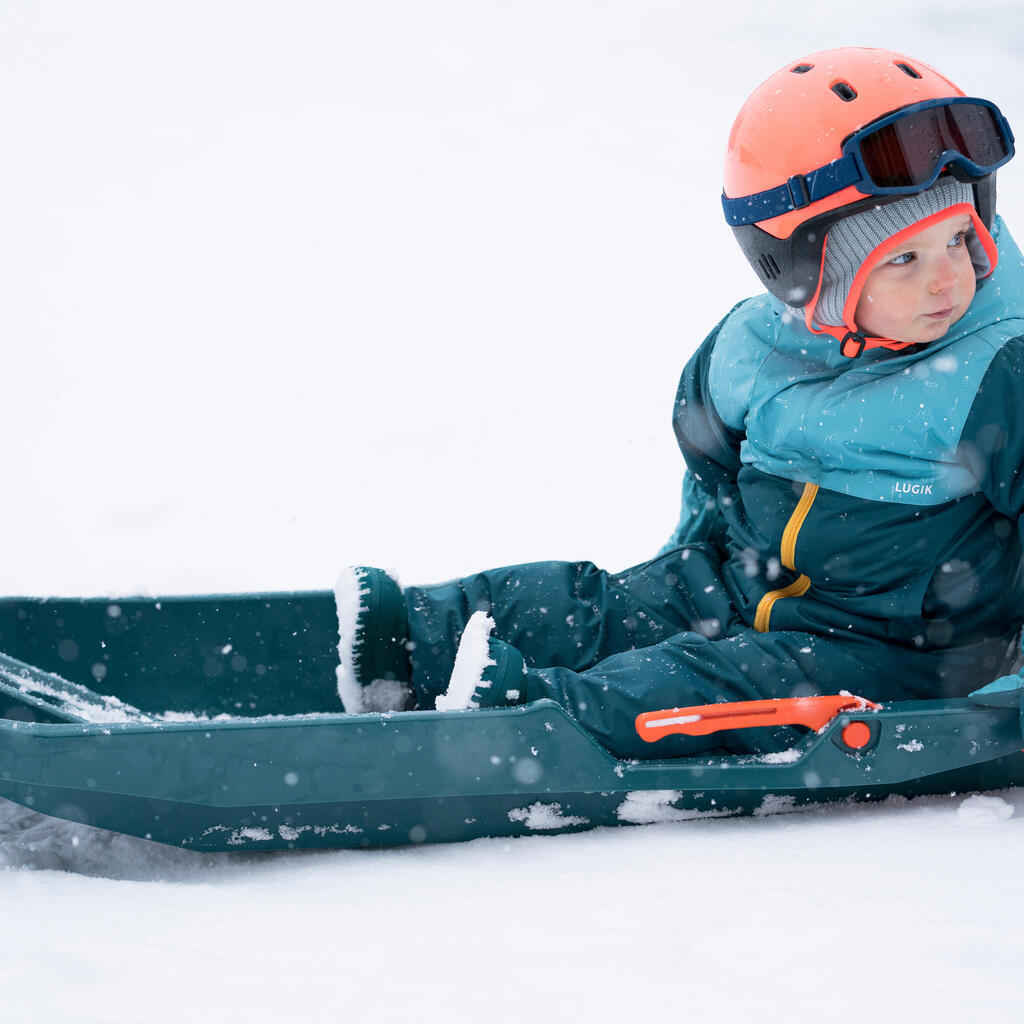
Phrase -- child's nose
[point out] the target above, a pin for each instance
(943, 275)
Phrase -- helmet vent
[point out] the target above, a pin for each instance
(844, 91)
(908, 70)
(801, 69)
(770, 270)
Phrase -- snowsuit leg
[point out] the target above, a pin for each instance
(689, 669)
(608, 646)
(659, 635)
(568, 614)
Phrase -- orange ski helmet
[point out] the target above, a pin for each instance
(841, 131)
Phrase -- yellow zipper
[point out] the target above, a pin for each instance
(802, 584)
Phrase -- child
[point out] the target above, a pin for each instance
(853, 441)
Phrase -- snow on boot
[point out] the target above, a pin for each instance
(374, 669)
(488, 673)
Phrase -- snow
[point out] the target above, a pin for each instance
(348, 594)
(651, 806)
(84, 706)
(912, 747)
(540, 817)
(293, 286)
(472, 657)
(780, 756)
(981, 809)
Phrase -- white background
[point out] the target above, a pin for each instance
(288, 285)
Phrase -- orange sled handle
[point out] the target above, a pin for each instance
(813, 712)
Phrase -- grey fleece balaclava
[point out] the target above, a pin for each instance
(852, 240)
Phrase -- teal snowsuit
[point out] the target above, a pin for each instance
(847, 525)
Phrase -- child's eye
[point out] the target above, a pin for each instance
(902, 259)
(958, 240)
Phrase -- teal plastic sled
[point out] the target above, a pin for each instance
(222, 731)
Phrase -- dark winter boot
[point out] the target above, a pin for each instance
(503, 683)
(488, 673)
(374, 667)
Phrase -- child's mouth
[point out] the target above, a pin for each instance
(940, 314)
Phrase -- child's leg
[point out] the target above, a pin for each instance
(688, 669)
(568, 614)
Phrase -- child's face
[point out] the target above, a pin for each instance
(921, 287)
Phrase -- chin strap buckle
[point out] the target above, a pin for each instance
(853, 344)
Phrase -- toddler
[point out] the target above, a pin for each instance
(852, 439)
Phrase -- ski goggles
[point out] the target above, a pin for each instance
(901, 153)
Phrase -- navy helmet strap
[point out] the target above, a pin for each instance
(799, 191)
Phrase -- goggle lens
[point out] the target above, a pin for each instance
(907, 152)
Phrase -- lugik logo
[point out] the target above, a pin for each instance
(907, 488)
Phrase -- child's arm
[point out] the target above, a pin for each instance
(992, 447)
(992, 442)
(711, 449)
(700, 518)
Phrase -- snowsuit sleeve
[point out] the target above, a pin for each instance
(992, 442)
(700, 518)
(711, 450)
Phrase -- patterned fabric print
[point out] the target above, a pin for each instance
(883, 427)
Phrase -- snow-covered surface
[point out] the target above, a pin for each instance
(290, 286)
(472, 657)
(348, 595)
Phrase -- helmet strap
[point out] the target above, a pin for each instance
(853, 343)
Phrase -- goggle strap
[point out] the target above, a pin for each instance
(803, 189)
(799, 191)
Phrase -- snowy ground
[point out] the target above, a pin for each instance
(285, 286)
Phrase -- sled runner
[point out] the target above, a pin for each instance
(222, 732)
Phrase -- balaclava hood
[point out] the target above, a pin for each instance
(853, 240)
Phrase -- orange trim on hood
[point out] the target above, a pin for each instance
(852, 342)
